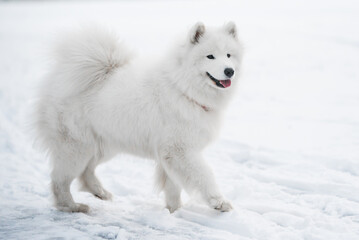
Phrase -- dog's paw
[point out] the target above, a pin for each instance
(173, 207)
(221, 204)
(103, 195)
(81, 208)
(77, 207)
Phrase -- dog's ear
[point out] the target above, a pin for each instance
(231, 29)
(196, 32)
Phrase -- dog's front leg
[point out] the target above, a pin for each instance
(195, 176)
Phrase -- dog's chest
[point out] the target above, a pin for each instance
(198, 132)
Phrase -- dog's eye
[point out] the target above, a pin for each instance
(210, 57)
(228, 55)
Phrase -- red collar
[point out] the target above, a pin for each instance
(205, 108)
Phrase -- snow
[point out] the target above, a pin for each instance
(288, 155)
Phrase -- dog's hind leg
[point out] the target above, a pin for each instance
(90, 182)
(69, 161)
(172, 191)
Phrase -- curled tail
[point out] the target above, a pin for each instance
(87, 57)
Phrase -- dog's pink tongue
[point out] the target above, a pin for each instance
(225, 83)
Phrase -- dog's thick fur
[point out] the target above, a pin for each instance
(97, 102)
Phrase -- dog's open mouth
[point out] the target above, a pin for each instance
(220, 83)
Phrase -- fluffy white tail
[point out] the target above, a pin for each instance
(87, 57)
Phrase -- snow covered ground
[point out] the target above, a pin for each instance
(288, 156)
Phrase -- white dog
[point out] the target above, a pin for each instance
(97, 101)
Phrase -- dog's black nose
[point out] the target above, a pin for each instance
(229, 72)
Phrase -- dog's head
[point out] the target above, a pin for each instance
(211, 59)
(216, 54)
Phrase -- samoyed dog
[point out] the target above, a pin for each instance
(97, 101)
